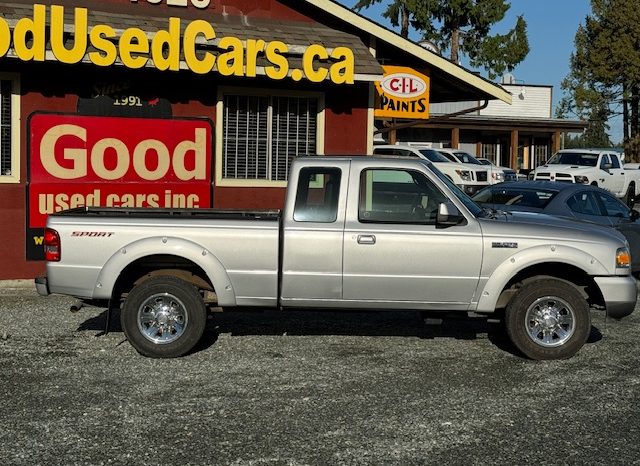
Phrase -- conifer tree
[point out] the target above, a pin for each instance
(604, 78)
(463, 27)
(399, 12)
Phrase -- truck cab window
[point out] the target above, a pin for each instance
(615, 162)
(398, 196)
(317, 195)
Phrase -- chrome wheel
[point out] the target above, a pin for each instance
(162, 318)
(550, 321)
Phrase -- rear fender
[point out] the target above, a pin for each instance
(489, 295)
(189, 250)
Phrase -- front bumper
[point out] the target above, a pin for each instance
(620, 294)
(42, 286)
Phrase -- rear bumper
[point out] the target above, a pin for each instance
(42, 286)
(620, 294)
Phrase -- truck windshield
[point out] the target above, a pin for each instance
(474, 208)
(467, 158)
(433, 156)
(574, 158)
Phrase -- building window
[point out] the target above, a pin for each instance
(262, 134)
(490, 151)
(9, 128)
(540, 155)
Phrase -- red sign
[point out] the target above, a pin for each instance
(117, 162)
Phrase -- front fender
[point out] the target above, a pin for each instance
(520, 261)
(189, 250)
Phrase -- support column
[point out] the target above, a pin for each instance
(455, 138)
(513, 154)
(393, 137)
(556, 141)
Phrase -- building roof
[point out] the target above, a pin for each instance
(509, 122)
(296, 34)
(449, 81)
(453, 81)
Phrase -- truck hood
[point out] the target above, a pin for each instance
(460, 166)
(564, 168)
(537, 225)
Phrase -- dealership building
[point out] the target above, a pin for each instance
(192, 103)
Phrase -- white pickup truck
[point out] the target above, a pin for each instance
(602, 168)
(356, 233)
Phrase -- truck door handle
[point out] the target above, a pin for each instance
(366, 239)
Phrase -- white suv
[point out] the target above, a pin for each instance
(469, 179)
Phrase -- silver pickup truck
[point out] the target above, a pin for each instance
(356, 232)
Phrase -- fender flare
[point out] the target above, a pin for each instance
(155, 245)
(489, 295)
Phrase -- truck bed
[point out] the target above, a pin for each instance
(238, 247)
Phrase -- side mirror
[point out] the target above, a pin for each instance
(448, 215)
(635, 215)
(606, 167)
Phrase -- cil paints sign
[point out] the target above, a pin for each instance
(77, 161)
(402, 93)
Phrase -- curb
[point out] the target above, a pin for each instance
(17, 284)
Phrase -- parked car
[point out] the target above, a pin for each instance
(570, 200)
(468, 178)
(496, 174)
(501, 173)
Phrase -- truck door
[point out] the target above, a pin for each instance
(613, 177)
(312, 236)
(395, 255)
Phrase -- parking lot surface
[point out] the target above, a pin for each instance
(310, 388)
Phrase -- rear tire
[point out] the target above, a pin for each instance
(548, 319)
(164, 317)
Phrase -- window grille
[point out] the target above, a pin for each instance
(263, 134)
(490, 151)
(541, 154)
(5, 128)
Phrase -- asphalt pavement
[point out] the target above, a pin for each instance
(310, 388)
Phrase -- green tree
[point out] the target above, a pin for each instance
(399, 12)
(585, 98)
(463, 27)
(604, 78)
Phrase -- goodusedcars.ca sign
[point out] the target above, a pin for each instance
(133, 48)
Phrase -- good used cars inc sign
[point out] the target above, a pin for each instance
(77, 161)
(402, 93)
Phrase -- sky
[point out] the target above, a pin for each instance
(551, 29)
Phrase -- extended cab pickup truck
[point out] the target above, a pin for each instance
(355, 233)
(592, 166)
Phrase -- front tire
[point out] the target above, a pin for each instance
(629, 197)
(164, 317)
(548, 319)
